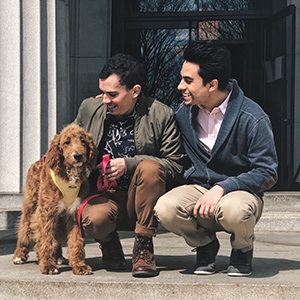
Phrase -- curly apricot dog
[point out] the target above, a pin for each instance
(53, 192)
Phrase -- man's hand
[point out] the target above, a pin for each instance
(207, 203)
(115, 168)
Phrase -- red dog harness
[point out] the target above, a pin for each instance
(102, 188)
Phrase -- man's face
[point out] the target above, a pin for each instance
(118, 99)
(191, 85)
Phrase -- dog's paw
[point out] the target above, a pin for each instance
(50, 270)
(82, 270)
(62, 261)
(18, 260)
(20, 256)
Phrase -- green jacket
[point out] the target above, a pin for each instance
(156, 133)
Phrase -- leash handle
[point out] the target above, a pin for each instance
(107, 184)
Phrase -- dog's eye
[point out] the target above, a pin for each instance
(66, 142)
(82, 141)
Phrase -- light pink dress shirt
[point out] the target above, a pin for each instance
(209, 123)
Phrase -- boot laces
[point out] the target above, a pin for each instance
(143, 249)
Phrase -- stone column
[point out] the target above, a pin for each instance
(31, 77)
(32, 39)
(10, 96)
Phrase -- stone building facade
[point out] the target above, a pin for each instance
(51, 52)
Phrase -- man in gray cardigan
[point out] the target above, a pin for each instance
(143, 142)
(229, 140)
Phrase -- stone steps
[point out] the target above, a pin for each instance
(276, 273)
(10, 207)
(279, 221)
(281, 211)
(282, 201)
(146, 290)
(276, 264)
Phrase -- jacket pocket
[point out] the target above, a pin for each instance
(189, 172)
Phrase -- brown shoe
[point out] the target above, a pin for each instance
(143, 263)
(112, 253)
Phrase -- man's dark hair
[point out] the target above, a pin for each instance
(213, 60)
(129, 70)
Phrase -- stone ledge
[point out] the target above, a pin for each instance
(276, 268)
(11, 200)
(15, 290)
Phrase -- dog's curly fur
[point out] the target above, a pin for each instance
(46, 220)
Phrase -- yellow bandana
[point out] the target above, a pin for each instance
(68, 190)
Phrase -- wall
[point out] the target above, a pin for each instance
(50, 56)
(27, 86)
(90, 47)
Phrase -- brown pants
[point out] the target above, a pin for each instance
(127, 210)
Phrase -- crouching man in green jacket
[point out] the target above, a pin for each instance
(144, 145)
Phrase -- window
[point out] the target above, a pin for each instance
(156, 31)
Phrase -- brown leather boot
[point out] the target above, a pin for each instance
(143, 263)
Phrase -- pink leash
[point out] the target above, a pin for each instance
(101, 188)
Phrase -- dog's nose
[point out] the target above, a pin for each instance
(78, 157)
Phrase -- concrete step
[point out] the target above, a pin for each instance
(282, 201)
(270, 221)
(279, 221)
(11, 201)
(274, 201)
(8, 218)
(281, 211)
(276, 273)
(10, 208)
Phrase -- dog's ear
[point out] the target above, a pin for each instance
(92, 152)
(54, 154)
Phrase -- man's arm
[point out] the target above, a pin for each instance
(263, 162)
(171, 154)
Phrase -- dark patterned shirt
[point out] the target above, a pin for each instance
(119, 141)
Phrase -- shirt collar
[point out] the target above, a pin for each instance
(222, 107)
(224, 104)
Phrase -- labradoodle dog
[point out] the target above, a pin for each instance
(53, 192)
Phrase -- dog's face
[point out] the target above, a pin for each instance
(73, 148)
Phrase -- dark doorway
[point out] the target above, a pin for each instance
(158, 34)
(279, 62)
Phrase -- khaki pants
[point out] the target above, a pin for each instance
(236, 213)
(127, 210)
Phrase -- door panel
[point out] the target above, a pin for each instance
(279, 61)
